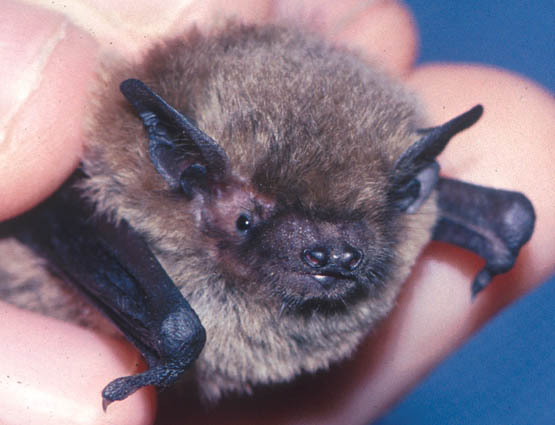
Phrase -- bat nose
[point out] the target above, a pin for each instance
(344, 256)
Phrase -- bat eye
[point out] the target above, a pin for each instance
(243, 223)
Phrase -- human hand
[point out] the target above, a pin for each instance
(434, 313)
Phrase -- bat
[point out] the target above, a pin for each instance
(249, 204)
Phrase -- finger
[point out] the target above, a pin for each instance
(46, 64)
(53, 373)
(131, 26)
(383, 30)
(510, 148)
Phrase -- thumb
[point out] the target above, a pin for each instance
(46, 66)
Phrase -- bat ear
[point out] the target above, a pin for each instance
(416, 171)
(187, 158)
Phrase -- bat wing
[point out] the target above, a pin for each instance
(490, 222)
(114, 267)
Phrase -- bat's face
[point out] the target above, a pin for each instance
(298, 256)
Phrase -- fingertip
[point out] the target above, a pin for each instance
(384, 31)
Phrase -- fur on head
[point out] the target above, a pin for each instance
(291, 255)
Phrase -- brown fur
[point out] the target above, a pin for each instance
(304, 124)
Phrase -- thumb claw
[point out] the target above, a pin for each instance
(481, 281)
(105, 403)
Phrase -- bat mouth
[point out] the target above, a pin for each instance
(327, 291)
(324, 292)
(329, 279)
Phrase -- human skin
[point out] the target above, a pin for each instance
(46, 76)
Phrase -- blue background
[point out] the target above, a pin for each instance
(506, 373)
(516, 35)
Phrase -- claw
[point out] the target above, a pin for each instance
(480, 282)
(105, 403)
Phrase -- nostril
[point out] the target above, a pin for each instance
(315, 257)
(351, 258)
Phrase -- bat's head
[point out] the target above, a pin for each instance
(308, 238)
